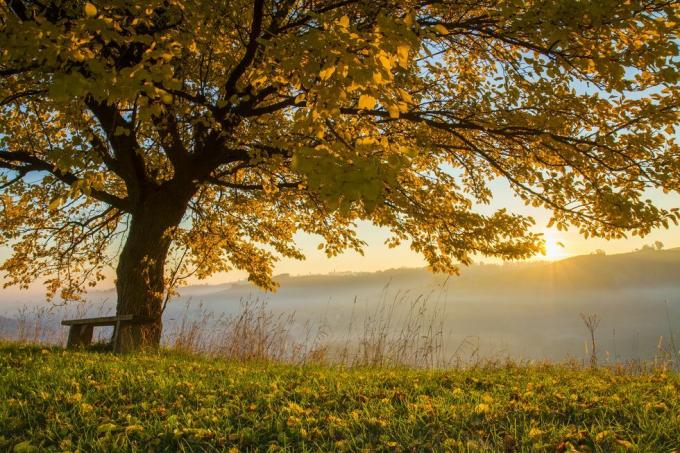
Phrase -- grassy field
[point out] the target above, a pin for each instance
(53, 400)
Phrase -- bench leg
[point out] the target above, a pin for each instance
(79, 336)
(116, 331)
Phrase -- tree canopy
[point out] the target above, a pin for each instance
(220, 129)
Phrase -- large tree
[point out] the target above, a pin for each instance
(135, 131)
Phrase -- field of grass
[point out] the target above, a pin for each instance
(53, 400)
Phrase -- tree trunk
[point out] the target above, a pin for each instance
(140, 273)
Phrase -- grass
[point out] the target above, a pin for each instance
(55, 400)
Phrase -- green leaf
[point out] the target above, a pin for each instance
(25, 447)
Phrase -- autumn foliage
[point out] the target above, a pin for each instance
(173, 138)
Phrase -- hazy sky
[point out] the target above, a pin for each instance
(379, 257)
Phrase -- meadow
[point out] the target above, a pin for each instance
(57, 400)
(522, 311)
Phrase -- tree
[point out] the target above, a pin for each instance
(205, 133)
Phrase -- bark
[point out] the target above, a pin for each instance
(140, 272)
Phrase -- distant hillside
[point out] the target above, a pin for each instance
(646, 268)
(640, 269)
(650, 269)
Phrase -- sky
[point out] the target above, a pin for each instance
(559, 244)
(377, 256)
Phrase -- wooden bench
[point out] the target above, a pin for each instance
(80, 331)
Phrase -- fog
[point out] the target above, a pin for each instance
(521, 311)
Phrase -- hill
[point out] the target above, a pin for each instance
(644, 269)
(641, 269)
(56, 400)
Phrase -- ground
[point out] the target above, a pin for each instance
(54, 400)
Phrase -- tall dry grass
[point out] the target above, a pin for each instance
(254, 332)
(402, 329)
(42, 324)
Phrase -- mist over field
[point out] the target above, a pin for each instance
(521, 311)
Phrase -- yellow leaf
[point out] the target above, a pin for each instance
(482, 408)
(25, 447)
(167, 98)
(90, 10)
(364, 141)
(377, 77)
(133, 428)
(259, 81)
(55, 203)
(385, 61)
(604, 436)
(405, 95)
(366, 101)
(327, 72)
(86, 407)
(106, 428)
(442, 30)
(402, 54)
(393, 110)
(625, 444)
(343, 21)
(300, 97)
(535, 432)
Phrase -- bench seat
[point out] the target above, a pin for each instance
(80, 330)
(103, 321)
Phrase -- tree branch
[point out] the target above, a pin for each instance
(251, 48)
(33, 163)
(13, 97)
(168, 131)
(282, 185)
(128, 162)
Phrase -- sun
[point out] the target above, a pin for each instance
(554, 249)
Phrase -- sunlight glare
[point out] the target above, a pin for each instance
(554, 249)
